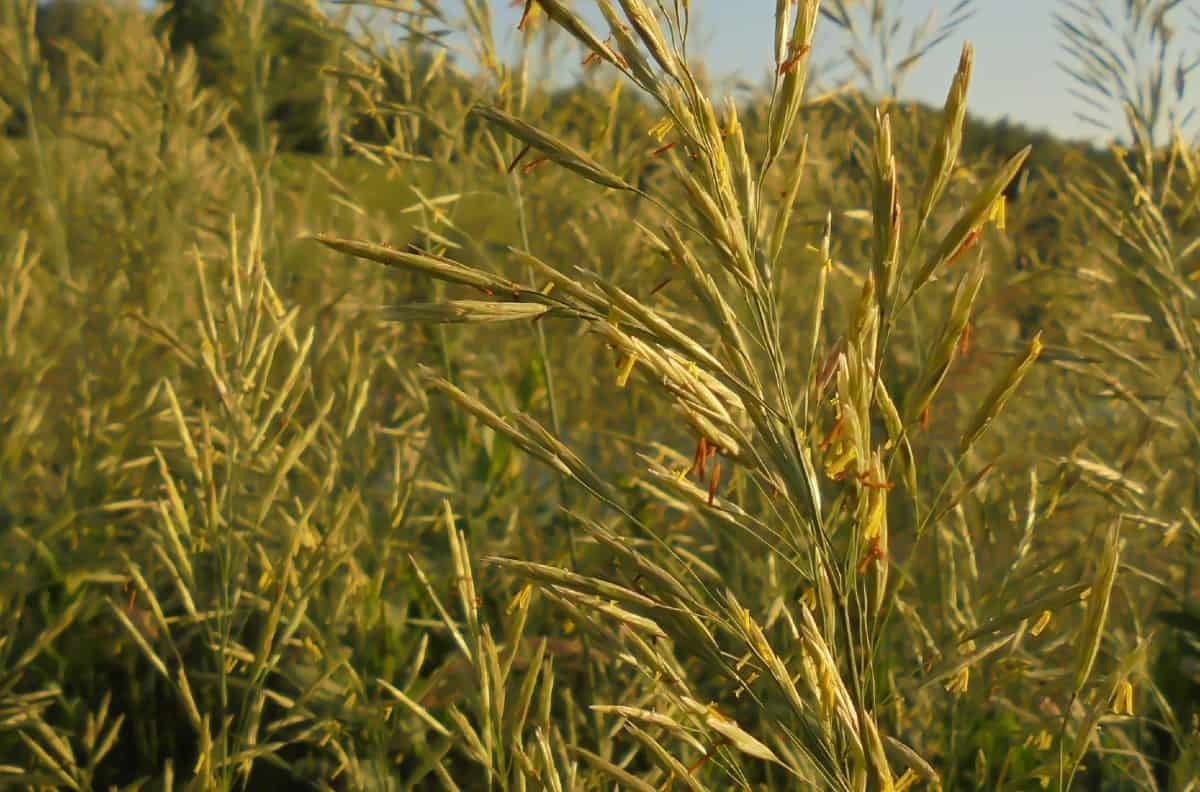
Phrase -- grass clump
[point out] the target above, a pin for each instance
(777, 443)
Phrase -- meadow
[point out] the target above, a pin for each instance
(375, 419)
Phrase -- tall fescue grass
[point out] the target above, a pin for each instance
(678, 444)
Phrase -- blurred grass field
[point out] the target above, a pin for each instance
(374, 421)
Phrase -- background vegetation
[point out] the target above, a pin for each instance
(676, 447)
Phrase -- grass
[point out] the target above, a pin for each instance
(773, 444)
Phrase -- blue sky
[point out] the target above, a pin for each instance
(1016, 53)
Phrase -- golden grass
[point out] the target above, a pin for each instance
(719, 500)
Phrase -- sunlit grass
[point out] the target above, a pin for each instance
(574, 440)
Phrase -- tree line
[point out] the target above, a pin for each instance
(282, 75)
